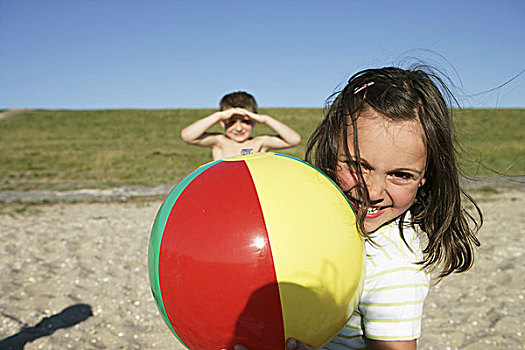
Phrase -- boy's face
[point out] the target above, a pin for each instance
(239, 128)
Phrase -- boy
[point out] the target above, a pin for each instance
(238, 115)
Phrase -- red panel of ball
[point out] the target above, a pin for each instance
(224, 249)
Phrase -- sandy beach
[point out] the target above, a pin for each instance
(75, 276)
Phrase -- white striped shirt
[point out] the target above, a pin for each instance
(391, 305)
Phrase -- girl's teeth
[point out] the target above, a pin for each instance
(372, 210)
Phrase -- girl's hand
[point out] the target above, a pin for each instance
(291, 344)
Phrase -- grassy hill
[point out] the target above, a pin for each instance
(58, 149)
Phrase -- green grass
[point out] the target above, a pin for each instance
(48, 149)
(496, 138)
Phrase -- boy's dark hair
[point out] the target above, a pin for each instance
(439, 208)
(238, 99)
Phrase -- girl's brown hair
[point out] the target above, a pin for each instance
(439, 208)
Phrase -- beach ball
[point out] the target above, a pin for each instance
(254, 250)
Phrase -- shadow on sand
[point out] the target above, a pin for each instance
(68, 317)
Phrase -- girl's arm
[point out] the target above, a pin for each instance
(392, 345)
(293, 344)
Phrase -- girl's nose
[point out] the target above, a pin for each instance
(376, 186)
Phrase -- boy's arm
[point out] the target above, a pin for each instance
(288, 137)
(195, 133)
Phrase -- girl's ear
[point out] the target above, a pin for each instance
(423, 180)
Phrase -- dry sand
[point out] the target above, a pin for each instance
(74, 275)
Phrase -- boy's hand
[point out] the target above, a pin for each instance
(258, 118)
(240, 113)
(230, 112)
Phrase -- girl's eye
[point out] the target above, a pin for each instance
(402, 176)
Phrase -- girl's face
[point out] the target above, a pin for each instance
(393, 158)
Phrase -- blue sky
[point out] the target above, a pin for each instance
(97, 54)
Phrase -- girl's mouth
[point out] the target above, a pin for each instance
(374, 212)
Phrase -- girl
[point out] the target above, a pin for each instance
(387, 141)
